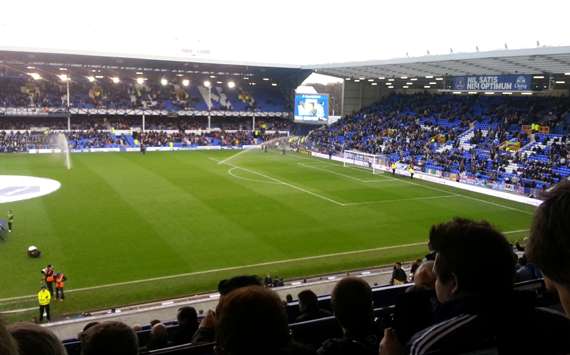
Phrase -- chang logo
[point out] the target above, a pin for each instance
(521, 83)
(18, 188)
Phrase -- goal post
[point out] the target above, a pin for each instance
(374, 162)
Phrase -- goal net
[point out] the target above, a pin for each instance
(281, 144)
(375, 162)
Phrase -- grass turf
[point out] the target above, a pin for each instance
(122, 217)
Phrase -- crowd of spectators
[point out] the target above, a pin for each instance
(454, 305)
(12, 141)
(164, 123)
(478, 136)
(22, 91)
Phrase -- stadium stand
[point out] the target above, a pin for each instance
(314, 332)
(19, 90)
(483, 139)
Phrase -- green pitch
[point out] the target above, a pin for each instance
(128, 228)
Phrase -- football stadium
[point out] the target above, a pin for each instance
(190, 193)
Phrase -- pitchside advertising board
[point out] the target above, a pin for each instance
(311, 108)
(493, 83)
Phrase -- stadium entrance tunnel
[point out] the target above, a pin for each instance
(17, 188)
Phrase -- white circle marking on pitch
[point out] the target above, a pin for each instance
(17, 188)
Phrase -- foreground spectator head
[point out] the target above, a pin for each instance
(352, 305)
(35, 340)
(109, 338)
(7, 343)
(187, 317)
(473, 259)
(308, 301)
(251, 320)
(549, 242)
(425, 276)
(158, 337)
(228, 285)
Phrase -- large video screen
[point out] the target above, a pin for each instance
(311, 108)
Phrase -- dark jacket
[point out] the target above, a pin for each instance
(510, 326)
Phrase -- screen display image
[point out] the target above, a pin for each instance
(311, 108)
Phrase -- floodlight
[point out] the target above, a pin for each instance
(163, 82)
(185, 82)
(115, 80)
(207, 83)
(231, 84)
(140, 81)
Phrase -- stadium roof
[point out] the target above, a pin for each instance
(545, 60)
(87, 63)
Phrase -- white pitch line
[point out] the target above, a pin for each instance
(341, 174)
(231, 173)
(230, 268)
(4, 301)
(398, 200)
(233, 156)
(496, 204)
(516, 231)
(289, 185)
(386, 175)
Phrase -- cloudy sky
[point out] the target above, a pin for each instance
(282, 32)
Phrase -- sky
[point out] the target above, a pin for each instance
(296, 32)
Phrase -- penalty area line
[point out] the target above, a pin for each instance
(289, 185)
(398, 200)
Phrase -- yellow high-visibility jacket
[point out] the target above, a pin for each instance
(44, 297)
